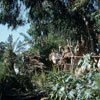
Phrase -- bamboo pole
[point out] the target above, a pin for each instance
(82, 56)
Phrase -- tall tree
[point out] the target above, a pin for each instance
(12, 48)
(71, 18)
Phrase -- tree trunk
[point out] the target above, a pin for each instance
(90, 39)
(92, 44)
(99, 5)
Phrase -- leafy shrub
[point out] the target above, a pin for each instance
(64, 86)
(3, 70)
(87, 62)
(12, 83)
(4, 73)
(16, 84)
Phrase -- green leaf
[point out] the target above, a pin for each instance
(68, 78)
(71, 94)
(61, 90)
(88, 94)
(80, 62)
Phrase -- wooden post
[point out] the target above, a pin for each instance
(72, 63)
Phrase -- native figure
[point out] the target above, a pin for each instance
(98, 64)
(76, 49)
(55, 57)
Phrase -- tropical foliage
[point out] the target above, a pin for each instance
(64, 86)
(68, 86)
(12, 49)
(52, 22)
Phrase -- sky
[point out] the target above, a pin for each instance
(4, 32)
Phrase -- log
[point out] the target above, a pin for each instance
(31, 95)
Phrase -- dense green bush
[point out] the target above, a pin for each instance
(4, 73)
(67, 86)
(12, 83)
(64, 86)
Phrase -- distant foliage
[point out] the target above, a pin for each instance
(2, 49)
(44, 48)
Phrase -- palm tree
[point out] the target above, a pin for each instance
(12, 49)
